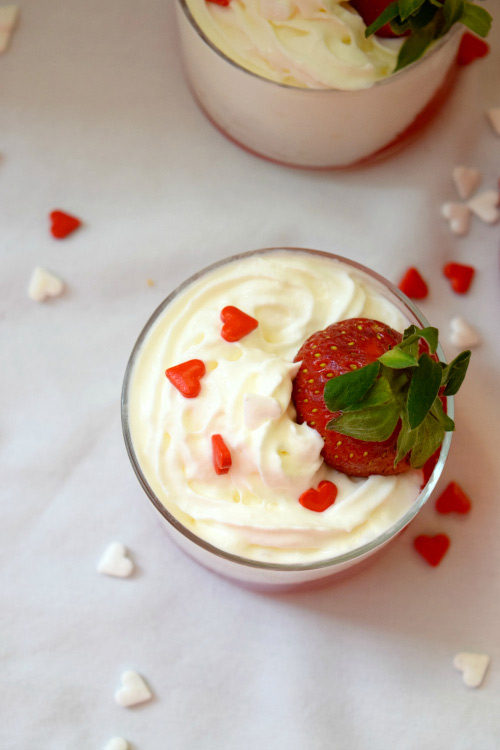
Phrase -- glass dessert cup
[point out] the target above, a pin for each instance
(315, 128)
(256, 572)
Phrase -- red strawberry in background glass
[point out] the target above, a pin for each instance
(375, 395)
(370, 10)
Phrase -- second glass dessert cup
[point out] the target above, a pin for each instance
(257, 572)
(315, 128)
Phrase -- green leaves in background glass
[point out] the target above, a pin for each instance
(427, 20)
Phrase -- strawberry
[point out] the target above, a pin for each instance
(370, 10)
(374, 395)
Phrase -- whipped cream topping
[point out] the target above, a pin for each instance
(307, 43)
(253, 511)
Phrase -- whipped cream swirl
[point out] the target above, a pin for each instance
(253, 510)
(306, 43)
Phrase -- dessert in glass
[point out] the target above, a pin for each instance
(297, 81)
(210, 412)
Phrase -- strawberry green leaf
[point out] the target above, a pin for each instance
(422, 35)
(406, 439)
(390, 12)
(430, 335)
(476, 19)
(375, 424)
(430, 435)
(409, 7)
(380, 393)
(347, 389)
(453, 11)
(439, 413)
(397, 359)
(426, 20)
(412, 336)
(454, 373)
(424, 388)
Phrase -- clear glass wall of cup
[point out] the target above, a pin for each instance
(248, 571)
(315, 128)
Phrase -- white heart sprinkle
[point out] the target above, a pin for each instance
(117, 743)
(485, 206)
(115, 562)
(44, 284)
(466, 180)
(462, 334)
(133, 690)
(458, 215)
(472, 666)
(258, 409)
(494, 118)
(8, 18)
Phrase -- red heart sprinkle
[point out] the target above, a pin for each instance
(63, 224)
(186, 377)
(432, 548)
(413, 285)
(220, 2)
(460, 276)
(453, 500)
(471, 48)
(236, 323)
(320, 499)
(221, 455)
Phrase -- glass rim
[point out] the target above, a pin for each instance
(324, 563)
(382, 82)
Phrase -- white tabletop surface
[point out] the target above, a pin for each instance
(95, 119)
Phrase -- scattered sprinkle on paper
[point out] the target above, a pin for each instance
(8, 19)
(117, 743)
(485, 206)
(463, 334)
(460, 276)
(453, 499)
(115, 561)
(466, 180)
(494, 118)
(413, 284)
(150, 282)
(43, 285)
(62, 224)
(473, 667)
(432, 548)
(133, 690)
(458, 215)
